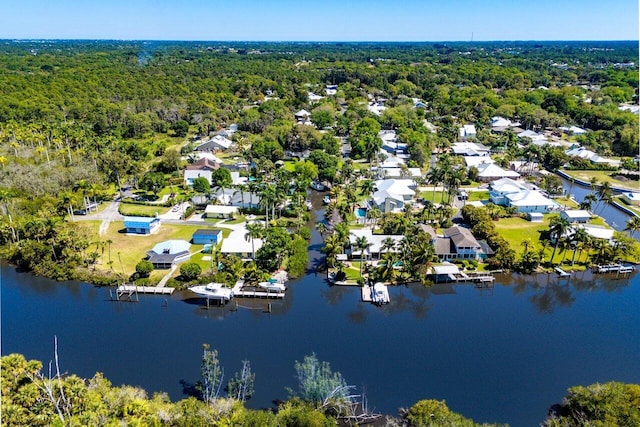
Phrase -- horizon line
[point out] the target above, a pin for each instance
(314, 41)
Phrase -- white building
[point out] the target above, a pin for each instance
(490, 172)
(469, 149)
(238, 244)
(467, 132)
(393, 194)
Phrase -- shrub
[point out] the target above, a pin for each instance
(190, 271)
(144, 268)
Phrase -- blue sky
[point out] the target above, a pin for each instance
(330, 20)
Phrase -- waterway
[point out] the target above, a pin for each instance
(614, 217)
(501, 355)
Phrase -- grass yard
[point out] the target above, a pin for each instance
(476, 196)
(624, 203)
(141, 210)
(517, 230)
(564, 201)
(133, 249)
(602, 176)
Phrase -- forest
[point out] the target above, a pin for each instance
(84, 119)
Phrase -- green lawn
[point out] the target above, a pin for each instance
(133, 249)
(141, 210)
(566, 202)
(478, 195)
(624, 203)
(601, 176)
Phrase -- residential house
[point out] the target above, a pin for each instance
(576, 216)
(166, 254)
(376, 107)
(524, 167)
(331, 90)
(475, 161)
(510, 193)
(217, 143)
(490, 171)
(633, 198)
(240, 245)
(458, 243)
(141, 225)
(302, 116)
(207, 236)
(533, 136)
(374, 251)
(203, 168)
(573, 130)
(236, 197)
(393, 194)
(220, 211)
(402, 172)
(583, 153)
(469, 149)
(313, 98)
(467, 132)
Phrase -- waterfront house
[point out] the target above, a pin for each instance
(239, 245)
(576, 216)
(374, 251)
(510, 193)
(207, 236)
(462, 244)
(202, 168)
(167, 253)
(583, 153)
(631, 197)
(141, 225)
(393, 194)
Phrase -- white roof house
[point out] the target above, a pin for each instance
(374, 239)
(632, 197)
(397, 172)
(469, 149)
(376, 108)
(531, 135)
(218, 142)
(491, 171)
(574, 130)
(595, 231)
(576, 215)
(302, 114)
(583, 153)
(477, 160)
(220, 211)
(531, 201)
(314, 98)
(507, 186)
(392, 194)
(501, 122)
(467, 131)
(238, 244)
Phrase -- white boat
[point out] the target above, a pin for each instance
(318, 186)
(379, 294)
(273, 286)
(326, 200)
(215, 291)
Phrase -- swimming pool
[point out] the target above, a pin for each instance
(361, 213)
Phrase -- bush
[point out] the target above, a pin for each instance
(144, 268)
(190, 271)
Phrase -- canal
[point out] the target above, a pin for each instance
(500, 355)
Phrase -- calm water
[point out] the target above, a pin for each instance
(495, 356)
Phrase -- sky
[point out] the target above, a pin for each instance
(328, 20)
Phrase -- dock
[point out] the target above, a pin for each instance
(239, 292)
(366, 293)
(561, 272)
(614, 268)
(377, 294)
(131, 292)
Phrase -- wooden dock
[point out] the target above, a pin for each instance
(259, 294)
(155, 290)
(614, 268)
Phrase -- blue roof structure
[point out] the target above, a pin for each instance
(139, 221)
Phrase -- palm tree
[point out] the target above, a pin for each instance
(361, 244)
(557, 228)
(578, 240)
(374, 214)
(367, 187)
(526, 243)
(588, 201)
(388, 244)
(255, 230)
(434, 176)
(321, 227)
(633, 225)
(605, 193)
